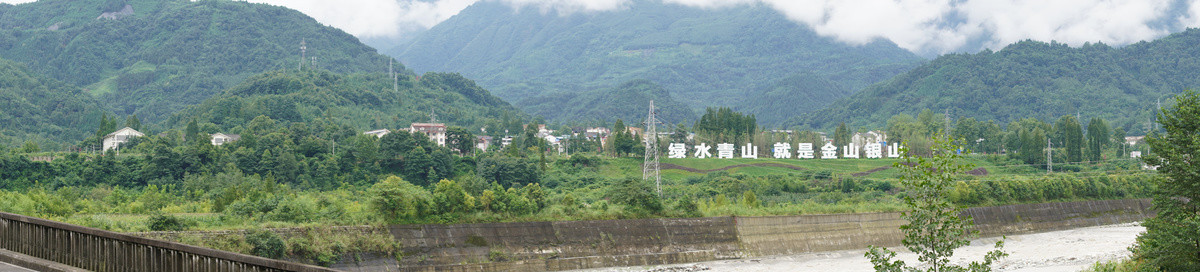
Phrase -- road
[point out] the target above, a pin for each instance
(1068, 250)
(5, 267)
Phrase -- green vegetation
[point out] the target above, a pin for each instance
(703, 57)
(361, 101)
(934, 228)
(166, 55)
(1172, 238)
(1031, 79)
(627, 101)
(41, 112)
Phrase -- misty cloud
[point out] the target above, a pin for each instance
(923, 26)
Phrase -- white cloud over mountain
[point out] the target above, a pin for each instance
(922, 26)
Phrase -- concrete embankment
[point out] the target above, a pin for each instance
(553, 246)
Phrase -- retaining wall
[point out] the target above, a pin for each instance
(551, 246)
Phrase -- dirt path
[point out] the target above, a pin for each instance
(1068, 250)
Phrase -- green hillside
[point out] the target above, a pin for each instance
(42, 110)
(363, 101)
(704, 57)
(152, 58)
(627, 102)
(1032, 79)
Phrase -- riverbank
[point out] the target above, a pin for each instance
(1065, 250)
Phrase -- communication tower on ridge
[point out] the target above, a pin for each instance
(302, 49)
(650, 163)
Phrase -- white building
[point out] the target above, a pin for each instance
(483, 142)
(221, 138)
(435, 131)
(115, 139)
(378, 133)
(864, 138)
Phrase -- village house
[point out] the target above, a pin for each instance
(378, 133)
(1133, 140)
(115, 139)
(507, 140)
(863, 138)
(435, 131)
(221, 138)
(483, 142)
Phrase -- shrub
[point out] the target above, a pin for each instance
(161, 222)
(265, 243)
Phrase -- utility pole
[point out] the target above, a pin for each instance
(650, 163)
(947, 115)
(1049, 156)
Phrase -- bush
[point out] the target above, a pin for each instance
(636, 195)
(161, 222)
(265, 243)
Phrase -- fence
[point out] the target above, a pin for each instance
(100, 250)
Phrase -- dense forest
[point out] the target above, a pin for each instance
(152, 58)
(360, 101)
(42, 111)
(704, 57)
(1032, 79)
(628, 101)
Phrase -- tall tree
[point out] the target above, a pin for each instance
(192, 132)
(1172, 238)
(1097, 138)
(841, 136)
(1069, 134)
(133, 122)
(934, 229)
(460, 139)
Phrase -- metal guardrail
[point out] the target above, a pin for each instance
(100, 250)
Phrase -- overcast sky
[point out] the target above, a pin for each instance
(930, 26)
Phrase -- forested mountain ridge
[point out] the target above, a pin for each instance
(705, 57)
(362, 101)
(38, 109)
(152, 58)
(1032, 79)
(627, 102)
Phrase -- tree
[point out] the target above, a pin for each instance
(934, 227)
(133, 122)
(460, 139)
(397, 199)
(841, 136)
(1069, 133)
(192, 133)
(1172, 238)
(1097, 138)
(622, 141)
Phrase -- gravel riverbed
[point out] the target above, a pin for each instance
(1066, 250)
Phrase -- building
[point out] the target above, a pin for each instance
(435, 131)
(221, 138)
(1133, 140)
(483, 142)
(378, 133)
(507, 140)
(863, 138)
(115, 139)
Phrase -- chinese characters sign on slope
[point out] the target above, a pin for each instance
(784, 151)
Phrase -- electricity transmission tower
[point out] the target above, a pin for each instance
(303, 48)
(650, 163)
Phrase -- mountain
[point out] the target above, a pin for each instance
(154, 57)
(1032, 79)
(36, 108)
(627, 102)
(705, 57)
(363, 101)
